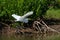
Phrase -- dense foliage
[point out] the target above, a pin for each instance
(20, 7)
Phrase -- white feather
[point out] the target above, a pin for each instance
(23, 18)
(28, 14)
(16, 16)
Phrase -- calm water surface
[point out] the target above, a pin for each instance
(25, 37)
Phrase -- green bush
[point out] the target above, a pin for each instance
(53, 14)
(20, 7)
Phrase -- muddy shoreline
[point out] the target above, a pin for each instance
(55, 24)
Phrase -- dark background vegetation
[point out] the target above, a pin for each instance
(46, 9)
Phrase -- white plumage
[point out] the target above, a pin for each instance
(23, 18)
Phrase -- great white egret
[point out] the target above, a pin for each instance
(23, 18)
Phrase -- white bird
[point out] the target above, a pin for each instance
(23, 18)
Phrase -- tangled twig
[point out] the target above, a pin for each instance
(43, 27)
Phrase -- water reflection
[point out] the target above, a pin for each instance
(22, 37)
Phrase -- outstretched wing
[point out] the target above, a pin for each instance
(28, 14)
(16, 16)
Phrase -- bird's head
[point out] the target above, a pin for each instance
(13, 14)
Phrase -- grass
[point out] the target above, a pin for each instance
(53, 13)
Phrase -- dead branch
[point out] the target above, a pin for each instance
(50, 28)
(5, 24)
(38, 27)
(43, 25)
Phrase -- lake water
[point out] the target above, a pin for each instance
(27, 37)
(22, 37)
